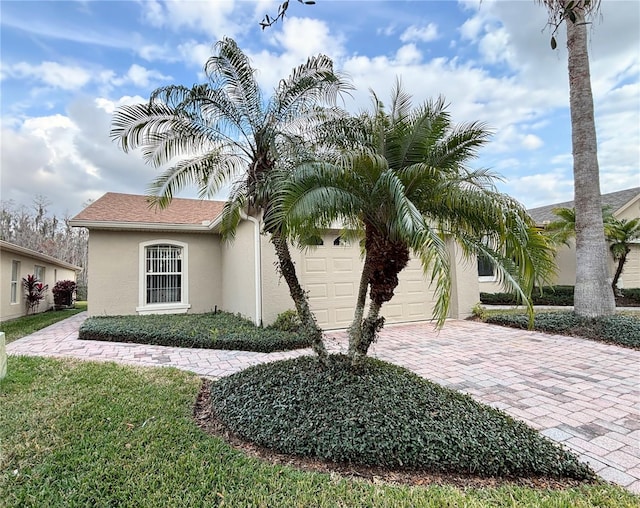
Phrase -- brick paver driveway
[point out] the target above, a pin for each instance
(583, 394)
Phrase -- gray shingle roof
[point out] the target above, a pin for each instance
(615, 200)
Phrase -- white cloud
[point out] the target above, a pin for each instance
(408, 54)
(53, 74)
(69, 158)
(531, 142)
(143, 78)
(210, 17)
(425, 33)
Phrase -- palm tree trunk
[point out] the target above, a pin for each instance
(593, 295)
(355, 330)
(300, 299)
(368, 332)
(614, 283)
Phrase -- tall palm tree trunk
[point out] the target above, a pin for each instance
(593, 294)
(300, 299)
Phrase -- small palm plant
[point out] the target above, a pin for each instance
(405, 185)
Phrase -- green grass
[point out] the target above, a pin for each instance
(220, 330)
(86, 434)
(19, 327)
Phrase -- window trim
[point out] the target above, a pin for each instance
(162, 308)
(14, 291)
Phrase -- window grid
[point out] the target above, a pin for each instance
(163, 274)
(39, 272)
(15, 273)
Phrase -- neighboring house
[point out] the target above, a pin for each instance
(16, 263)
(148, 260)
(623, 204)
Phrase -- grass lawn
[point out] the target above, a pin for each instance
(19, 327)
(98, 434)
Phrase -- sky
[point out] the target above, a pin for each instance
(66, 65)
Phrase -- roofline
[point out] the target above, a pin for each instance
(628, 204)
(205, 227)
(12, 247)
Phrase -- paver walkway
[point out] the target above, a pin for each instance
(581, 393)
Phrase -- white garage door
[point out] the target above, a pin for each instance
(331, 274)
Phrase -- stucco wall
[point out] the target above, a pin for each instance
(238, 272)
(53, 273)
(465, 289)
(276, 297)
(114, 270)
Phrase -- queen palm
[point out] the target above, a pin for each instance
(405, 185)
(226, 132)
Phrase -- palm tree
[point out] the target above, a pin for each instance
(225, 131)
(406, 187)
(592, 294)
(619, 233)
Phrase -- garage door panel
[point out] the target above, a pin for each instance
(318, 290)
(344, 289)
(315, 265)
(344, 315)
(392, 310)
(418, 309)
(415, 287)
(343, 265)
(322, 317)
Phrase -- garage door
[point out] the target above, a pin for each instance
(331, 274)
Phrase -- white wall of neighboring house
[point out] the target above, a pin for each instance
(15, 264)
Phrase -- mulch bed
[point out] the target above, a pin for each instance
(206, 420)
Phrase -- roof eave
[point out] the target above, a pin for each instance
(17, 249)
(144, 226)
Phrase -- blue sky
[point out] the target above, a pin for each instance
(65, 66)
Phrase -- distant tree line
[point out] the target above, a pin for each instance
(34, 228)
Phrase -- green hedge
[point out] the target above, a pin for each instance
(381, 415)
(219, 330)
(550, 295)
(618, 329)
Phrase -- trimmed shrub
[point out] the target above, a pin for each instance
(220, 330)
(287, 321)
(632, 294)
(550, 295)
(381, 415)
(621, 330)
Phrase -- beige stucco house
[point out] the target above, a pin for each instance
(623, 204)
(148, 260)
(17, 262)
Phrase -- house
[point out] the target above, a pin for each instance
(16, 263)
(623, 204)
(150, 260)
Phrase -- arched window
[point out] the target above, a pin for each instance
(163, 277)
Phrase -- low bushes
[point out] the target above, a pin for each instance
(619, 329)
(556, 295)
(550, 295)
(219, 330)
(381, 415)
